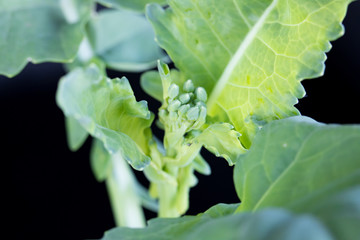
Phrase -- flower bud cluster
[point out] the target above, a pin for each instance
(184, 110)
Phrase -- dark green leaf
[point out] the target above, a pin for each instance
(296, 163)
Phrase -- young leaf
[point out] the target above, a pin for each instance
(39, 31)
(219, 222)
(151, 83)
(76, 135)
(297, 162)
(100, 160)
(108, 110)
(250, 55)
(124, 40)
(222, 140)
(135, 5)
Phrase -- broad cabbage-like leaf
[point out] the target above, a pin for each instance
(108, 110)
(124, 40)
(219, 222)
(38, 31)
(135, 5)
(250, 55)
(296, 163)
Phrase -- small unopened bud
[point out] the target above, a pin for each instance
(184, 98)
(183, 109)
(174, 105)
(193, 114)
(173, 91)
(202, 118)
(188, 86)
(162, 113)
(199, 103)
(173, 116)
(201, 94)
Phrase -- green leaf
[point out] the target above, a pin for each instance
(135, 5)
(250, 55)
(38, 31)
(100, 160)
(108, 110)
(124, 40)
(152, 85)
(341, 213)
(337, 217)
(76, 135)
(296, 163)
(222, 140)
(220, 222)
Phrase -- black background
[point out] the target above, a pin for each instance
(53, 194)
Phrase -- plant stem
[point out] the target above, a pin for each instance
(123, 197)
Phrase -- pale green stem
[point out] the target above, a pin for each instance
(124, 200)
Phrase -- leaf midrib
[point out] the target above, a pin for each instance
(240, 53)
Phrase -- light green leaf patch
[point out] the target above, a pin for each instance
(219, 222)
(222, 140)
(150, 82)
(124, 40)
(108, 110)
(296, 163)
(135, 5)
(38, 31)
(100, 160)
(76, 135)
(249, 55)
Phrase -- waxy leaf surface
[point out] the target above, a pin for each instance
(249, 55)
(108, 110)
(220, 222)
(38, 31)
(135, 5)
(296, 163)
(124, 40)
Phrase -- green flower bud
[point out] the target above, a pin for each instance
(201, 94)
(199, 103)
(173, 116)
(163, 113)
(188, 86)
(173, 91)
(184, 98)
(183, 109)
(174, 105)
(202, 118)
(193, 114)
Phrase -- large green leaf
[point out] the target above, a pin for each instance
(296, 163)
(124, 40)
(341, 213)
(108, 110)
(136, 5)
(38, 31)
(219, 222)
(250, 55)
